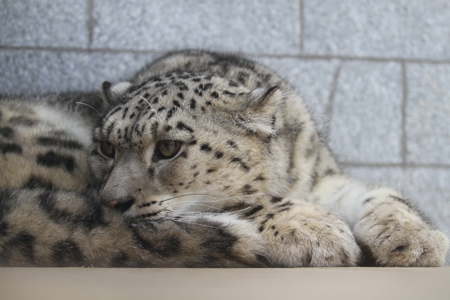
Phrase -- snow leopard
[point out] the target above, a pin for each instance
(200, 140)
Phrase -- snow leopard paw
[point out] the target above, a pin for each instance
(308, 236)
(397, 236)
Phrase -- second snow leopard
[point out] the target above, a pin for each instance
(197, 133)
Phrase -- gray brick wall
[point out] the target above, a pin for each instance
(374, 72)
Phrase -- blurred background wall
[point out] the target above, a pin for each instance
(375, 73)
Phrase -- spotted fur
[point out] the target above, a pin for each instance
(245, 148)
(50, 214)
(73, 229)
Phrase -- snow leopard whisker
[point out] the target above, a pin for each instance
(179, 196)
(217, 209)
(212, 208)
(191, 223)
(244, 196)
(151, 108)
(211, 195)
(82, 103)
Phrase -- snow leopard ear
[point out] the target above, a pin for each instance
(113, 92)
(264, 101)
(261, 107)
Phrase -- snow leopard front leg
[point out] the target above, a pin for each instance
(302, 234)
(383, 222)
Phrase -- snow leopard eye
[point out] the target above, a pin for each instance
(106, 149)
(167, 149)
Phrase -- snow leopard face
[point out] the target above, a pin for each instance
(183, 142)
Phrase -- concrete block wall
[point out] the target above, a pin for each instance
(376, 73)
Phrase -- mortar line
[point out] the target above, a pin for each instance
(404, 137)
(81, 50)
(302, 25)
(90, 22)
(301, 57)
(395, 165)
(353, 58)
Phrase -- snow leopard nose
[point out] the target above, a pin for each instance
(120, 204)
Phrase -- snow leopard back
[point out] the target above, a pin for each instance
(44, 141)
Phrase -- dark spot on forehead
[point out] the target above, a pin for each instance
(227, 93)
(118, 108)
(232, 144)
(192, 105)
(243, 165)
(276, 199)
(205, 87)
(205, 147)
(259, 178)
(136, 88)
(110, 129)
(181, 86)
(182, 126)
(171, 112)
(125, 113)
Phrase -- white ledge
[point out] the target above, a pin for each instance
(282, 284)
